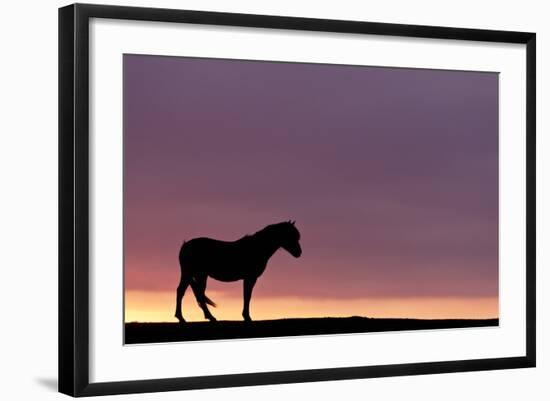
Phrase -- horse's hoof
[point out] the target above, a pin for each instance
(212, 319)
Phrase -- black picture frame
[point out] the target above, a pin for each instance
(74, 202)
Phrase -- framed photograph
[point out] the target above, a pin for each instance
(252, 199)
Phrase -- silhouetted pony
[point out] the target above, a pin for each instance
(244, 259)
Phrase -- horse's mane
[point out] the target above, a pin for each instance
(267, 231)
(245, 238)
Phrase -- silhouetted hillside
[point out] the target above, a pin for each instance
(136, 333)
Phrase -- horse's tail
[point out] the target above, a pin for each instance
(200, 295)
(209, 301)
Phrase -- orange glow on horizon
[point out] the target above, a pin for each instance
(147, 306)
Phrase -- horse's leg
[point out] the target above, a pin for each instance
(198, 284)
(180, 292)
(248, 285)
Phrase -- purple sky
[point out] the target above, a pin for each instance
(391, 174)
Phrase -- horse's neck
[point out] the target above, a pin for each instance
(265, 244)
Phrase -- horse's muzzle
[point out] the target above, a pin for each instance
(294, 249)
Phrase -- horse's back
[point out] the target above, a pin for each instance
(203, 251)
(216, 258)
(202, 248)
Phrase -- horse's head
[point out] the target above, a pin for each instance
(290, 238)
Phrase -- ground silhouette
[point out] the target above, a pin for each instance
(244, 259)
(136, 333)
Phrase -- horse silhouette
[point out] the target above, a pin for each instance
(244, 259)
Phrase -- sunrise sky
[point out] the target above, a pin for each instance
(391, 175)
